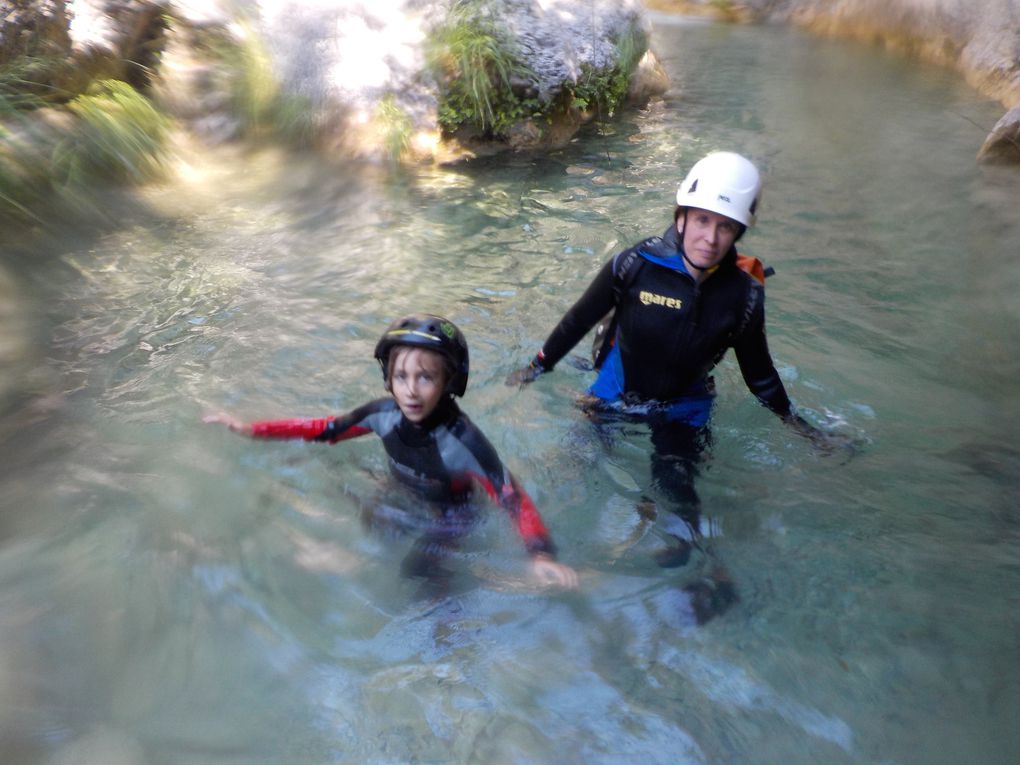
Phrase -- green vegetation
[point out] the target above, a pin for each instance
(249, 81)
(118, 136)
(50, 156)
(604, 90)
(484, 86)
(23, 83)
(476, 65)
(396, 125)
(253, 92)
(20, 179)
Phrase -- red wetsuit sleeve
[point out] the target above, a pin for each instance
(522, 510)
(311, 429)
(529, 522)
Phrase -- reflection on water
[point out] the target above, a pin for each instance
(174, 594)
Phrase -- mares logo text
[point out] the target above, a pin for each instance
(650, 298)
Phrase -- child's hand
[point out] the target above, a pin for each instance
(547, 572)
(236, 425)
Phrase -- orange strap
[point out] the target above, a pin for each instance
(751, 265)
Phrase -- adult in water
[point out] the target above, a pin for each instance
(435, 451)
(679, 301)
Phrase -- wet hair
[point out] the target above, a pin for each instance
(446, 363)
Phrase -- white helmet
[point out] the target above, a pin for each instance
(724, 183)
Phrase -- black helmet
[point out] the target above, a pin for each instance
(433, 333)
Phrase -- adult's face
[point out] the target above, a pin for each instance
(707, 237)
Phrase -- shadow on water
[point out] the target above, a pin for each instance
(173, 593)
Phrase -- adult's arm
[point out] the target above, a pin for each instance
(763, 380)
(757, 367)
(598, 300)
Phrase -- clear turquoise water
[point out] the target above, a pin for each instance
(173, 594)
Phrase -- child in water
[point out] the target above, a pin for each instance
(433, 448)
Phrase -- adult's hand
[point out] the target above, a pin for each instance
(825, 442)
(524, 375)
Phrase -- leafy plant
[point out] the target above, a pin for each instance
(252, 84)
(25, 83)
(604, 90)
(247, 78)
(118, 135)
(396, 125)
(476, 64)
(25, 141)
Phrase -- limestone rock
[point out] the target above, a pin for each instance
(1003, 143)
(344, 58)
(648, 81)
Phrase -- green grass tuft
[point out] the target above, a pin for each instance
(118, 136)
(476, 64)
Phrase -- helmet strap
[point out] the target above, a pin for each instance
(681, 230)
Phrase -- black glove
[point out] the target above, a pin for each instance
(527, 374)
(823, 441)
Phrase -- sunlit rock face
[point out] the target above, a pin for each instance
(349, 53)
(356, 49)
(982, 38)
(346, 55)
(343, 57)
(559, 37)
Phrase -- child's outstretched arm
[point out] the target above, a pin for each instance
(367, 418)
(309, 429)
(233, 423)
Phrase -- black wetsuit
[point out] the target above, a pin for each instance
(441, 459)
(670, 332)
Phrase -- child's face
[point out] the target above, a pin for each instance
(417, 381)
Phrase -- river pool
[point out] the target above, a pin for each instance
(174, 595)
